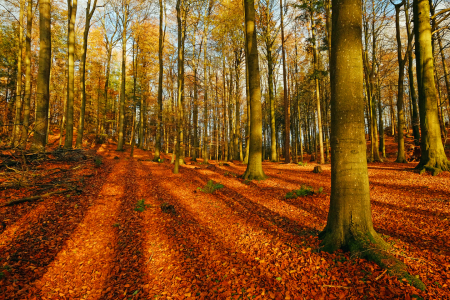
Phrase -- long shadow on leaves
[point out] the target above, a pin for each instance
(30, 254)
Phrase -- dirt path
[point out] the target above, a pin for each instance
(244, 241)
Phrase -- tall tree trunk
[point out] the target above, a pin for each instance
(316, 79)
(89, 13)
(17, 127)
(254, 167)
(179, 151)
(72, 12)
(412, 89)
(124, 79)
(43, 79)
(349, 224)
(205, 98)
(287, 158)
(27, 96)
(432, 150)
(160, 82)
(401, 158)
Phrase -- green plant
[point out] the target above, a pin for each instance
(303, 191)
(302, 164)
(160, 160)
(116, 225)
(141, 206)
(210, 187)
(320, 190)
(97, 162)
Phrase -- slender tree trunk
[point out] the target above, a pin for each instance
(432, 150)
(17, 126)
(254, 167)
(160, 82)
(89, 14)
(287, 158)
(43, 79)
(179, 151)
(124, 79)
(27, 96)
(72, 12)
(401, 158)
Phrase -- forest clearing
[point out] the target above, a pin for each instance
(113, 240)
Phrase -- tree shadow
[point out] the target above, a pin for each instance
(31, 252)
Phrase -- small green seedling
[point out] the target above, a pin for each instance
(97, 162)
(302, 164)
(210, 187)
(141, 206)
(303, 191)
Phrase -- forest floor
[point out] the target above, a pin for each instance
(105, 235)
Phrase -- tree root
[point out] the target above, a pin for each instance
(435, 168)
(370, 246)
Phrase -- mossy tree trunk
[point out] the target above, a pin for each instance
(254, 167)
(432, 150)
(349, 224)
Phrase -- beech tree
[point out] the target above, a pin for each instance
(43, 78)
(254, 167)
(433, 156)
(349, 224)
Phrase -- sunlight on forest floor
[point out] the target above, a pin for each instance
(244, 240)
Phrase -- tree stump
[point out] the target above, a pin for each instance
(317, 169)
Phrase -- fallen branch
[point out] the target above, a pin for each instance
(27, 199)
(379, 276)
(336, 286)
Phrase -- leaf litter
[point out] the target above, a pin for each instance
(246, 240)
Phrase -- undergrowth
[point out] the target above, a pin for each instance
(210, 187)
(303, 191)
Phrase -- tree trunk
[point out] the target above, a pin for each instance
(27, 96)
(160, 82)
(89, 14)
(349, 224)
(287, 158)
(43, 79)
(123, 81)
(179, 151)
(72, 12)
(17, 127)
(254, 167)
(432, 150)
(401, 158)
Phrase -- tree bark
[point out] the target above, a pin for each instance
(124, 79)
(27, 96)
(17, 127)
(254, 167)
(160, 82)
(89, 13)
(287, 157)
(432, 150)
(72, 12)
(349, 224)
(43, 79)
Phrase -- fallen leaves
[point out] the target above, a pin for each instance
(240, 241)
